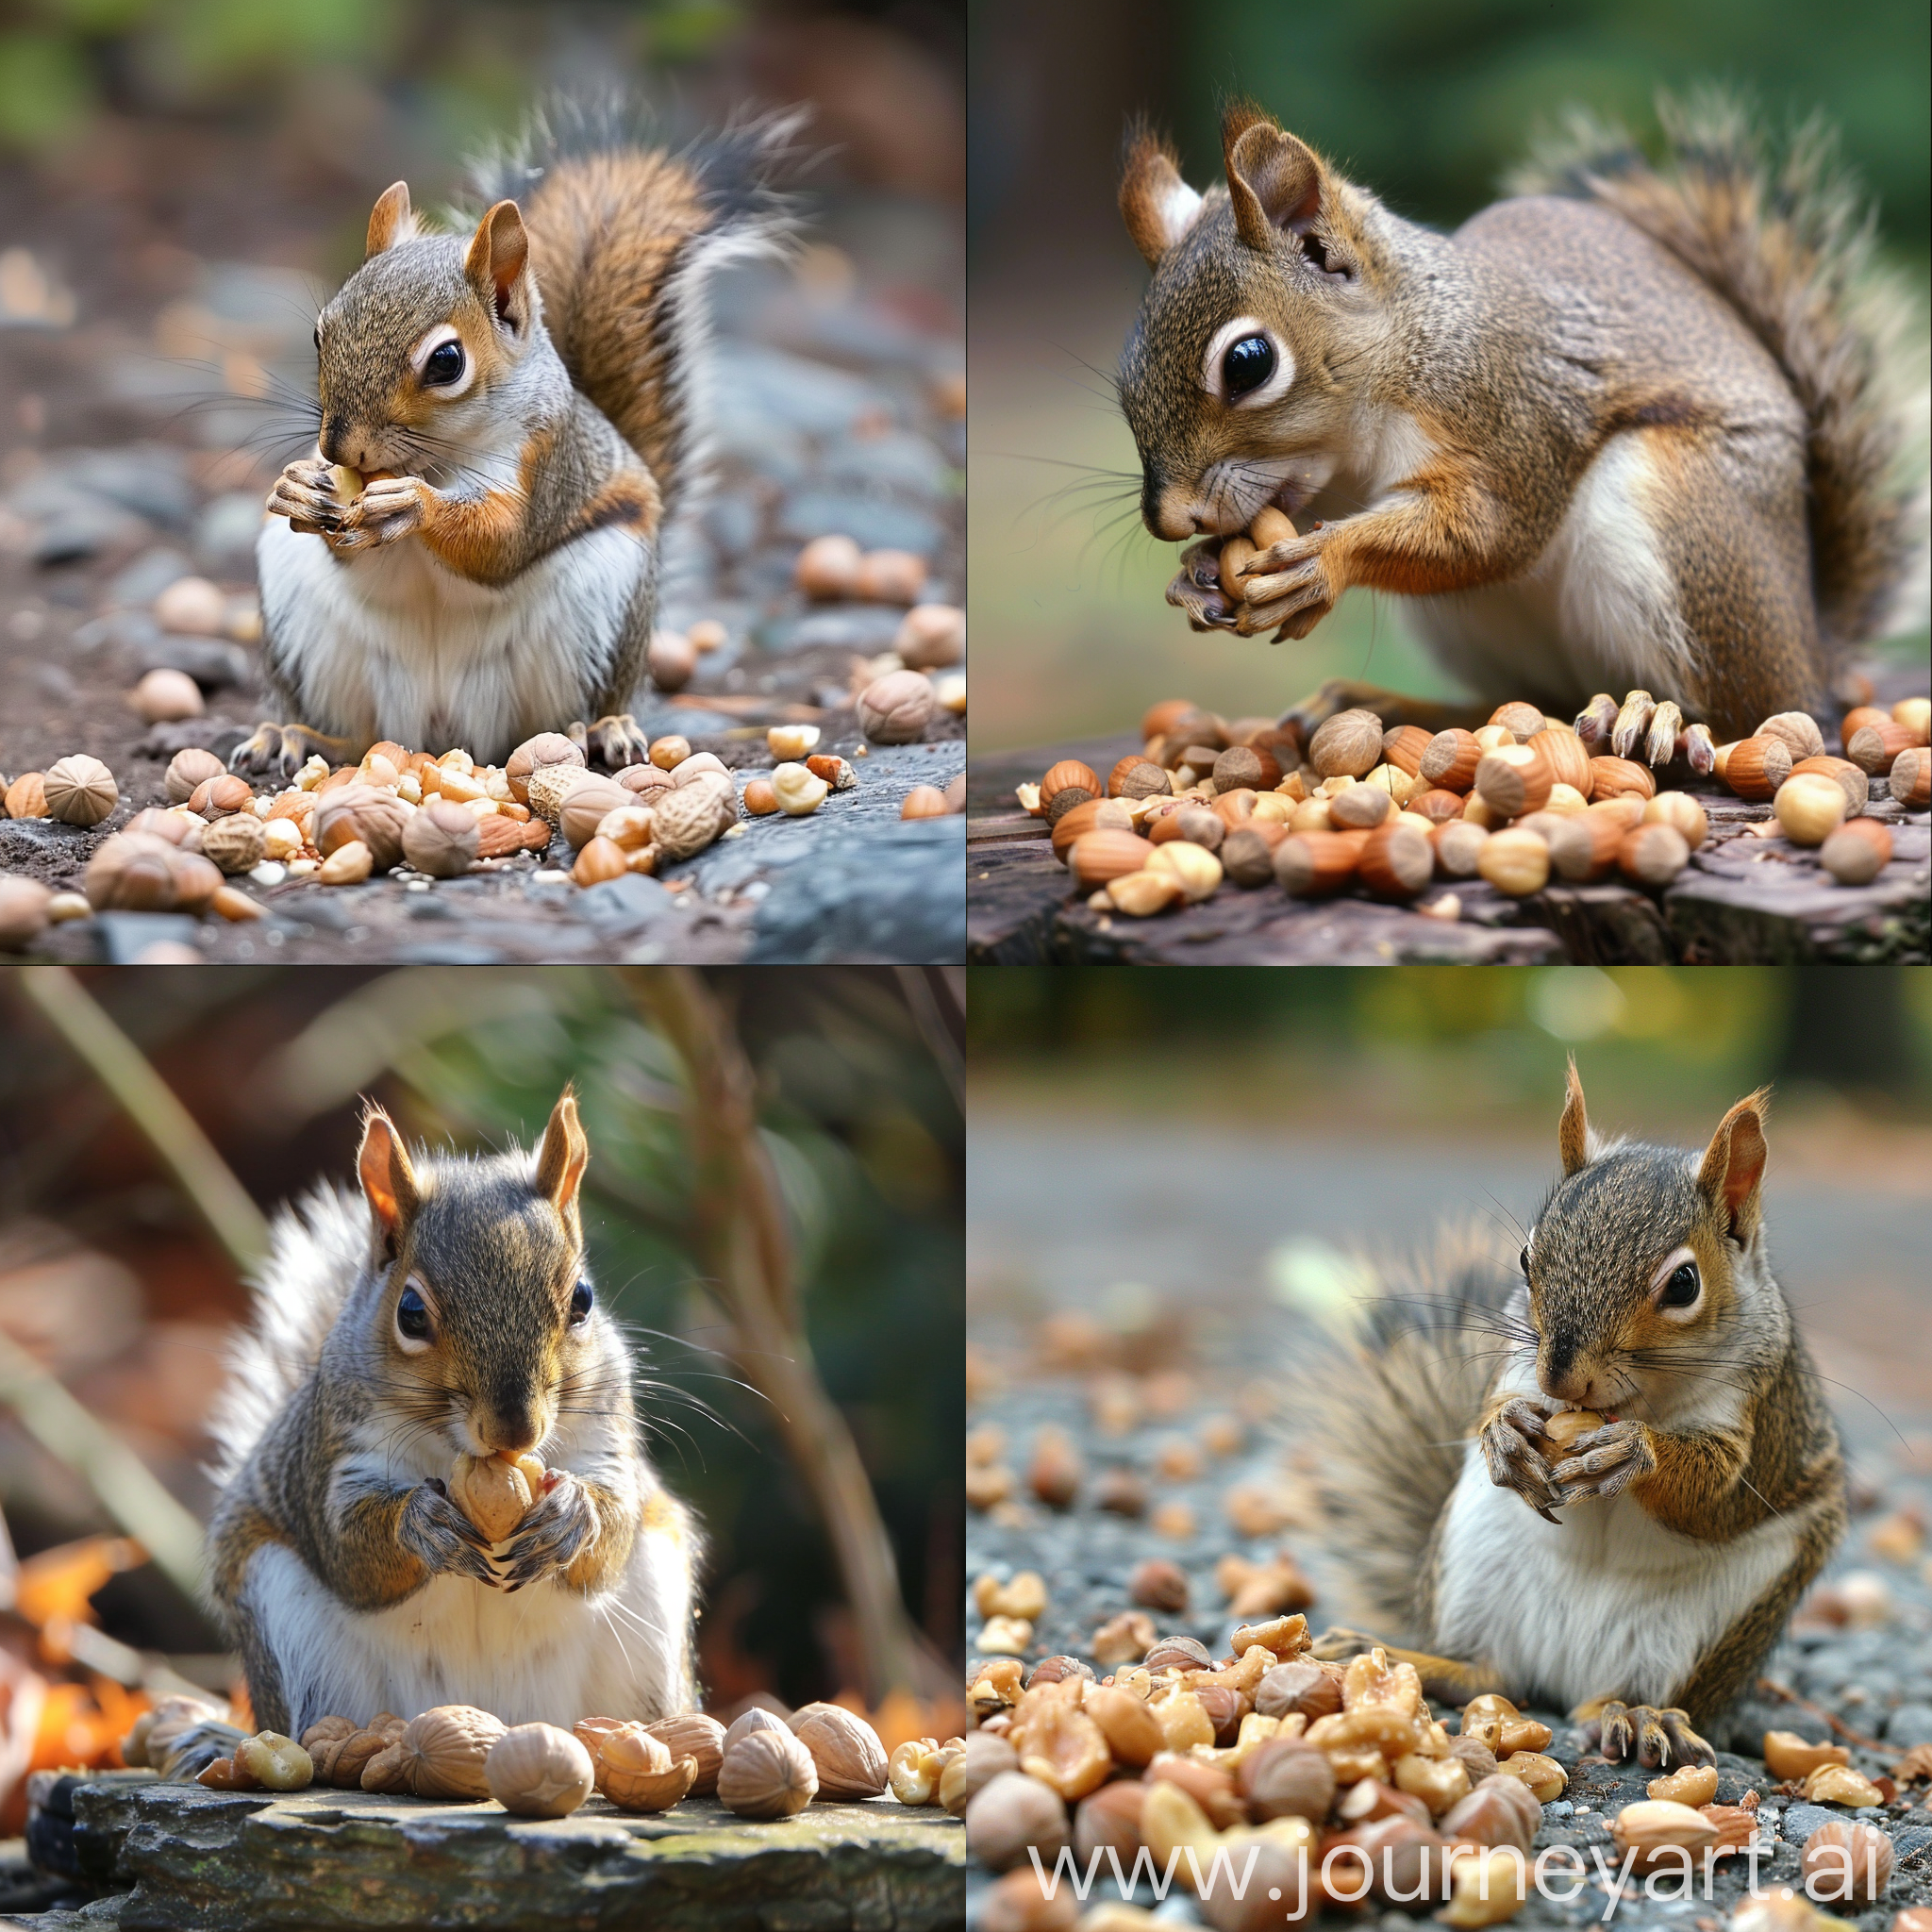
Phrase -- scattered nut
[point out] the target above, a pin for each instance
(79, 790)
(163, 695)
(894, 710)
(766, 1773)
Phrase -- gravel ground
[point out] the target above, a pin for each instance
(1151, 1381)
(836, 407)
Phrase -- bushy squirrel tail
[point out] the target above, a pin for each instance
(1384, 1415)
(1787, 240)
(624, 235)
(317, 1249)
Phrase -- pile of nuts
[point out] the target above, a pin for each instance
(1525, 800)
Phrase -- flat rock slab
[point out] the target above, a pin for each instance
(1742, 900)
(222, 1862)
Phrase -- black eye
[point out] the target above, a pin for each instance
(318, 335)
(1522, 1262)
(1248, 364)
(445, 364)
(412, 1316)
(1680, 1290)
(580, 1303)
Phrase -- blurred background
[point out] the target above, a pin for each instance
(120, 1219)
(1427, 105)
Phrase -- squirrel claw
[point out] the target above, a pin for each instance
(1605, 1462)
(614, 742)
(281, 750)
(1657, 1737)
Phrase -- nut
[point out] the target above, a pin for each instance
(759, 798)
(1544, 1776)
(364, 814)
(1247, 853)
(1682, 813)
(1246, 767)
(1655, 1824)
(1347, 745)
(537, 1771)
(1138, 777)
(1798, 730)
(1132, 1732)
(440, 838)
(1789, 1757)
(1857, 852)
(1068, 771)
(1123, 1639)
(1459, 845)
(1011, 1814)
(1690, 1784)
(931, 637)
(1360, 807)
(688, 818)
(495, 1492)
(1513, 779)
(1286, 1778)
(1450, 760)
(1910, 778)
(671, 657)
(798, 790)
(443, 1752)
(846, 1750)
(194, 606)
(1498, 1811)
(893, 710)
(347, 865)
(217, 797)
(1810, 808)
(1096, 856)
(828, 567)
(163, 695)
(1613, 777)
(1159, 1585)
(639, 1772)
(1567, 756)
(1196, 869)
(587, 806)
(1872, 748)
(1856, 784)
(276, 1763)
(546, 748)
(1310, 864)
(1141, 894)
(189, 767)
(1403, 746)
(1515, 862)
(1110, 1816)
(1396, 862)
(1915, 714)
(889, 577)
(1756, 767)
(23, 914)
(27, 797)
(912, 1773)
(1849, 1863)
(1061, 1746)
(766, 1773)
(1654, 855)
(1839, 1784)
(697, 1736)
(237, 842)
(1023, 1596)
(79, 790)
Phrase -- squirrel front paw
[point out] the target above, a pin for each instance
(388, 508)
(1656, 1736)
(1606, 1461)
(1508, 1442)
(1289, 587)
(305, 492)
(552, 1536)
(1196, 588)
(614, 742)
(435, 1531)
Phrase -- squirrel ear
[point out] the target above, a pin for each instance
(389, 1182)
(390, 220)
(1572, 1130)
(1157, 204)
(563, 1159)
(1733, 1164)
(498, 253)
(1273, 180)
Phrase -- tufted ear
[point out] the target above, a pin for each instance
(389, 1182)
(1275, 182)
(498, 260)
(1572, 1130)
(390, 220)
(1733, 1165)
(563, 1159)
(1157, 204)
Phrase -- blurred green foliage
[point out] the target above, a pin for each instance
(1430, 105)
(869, 1144)
(62, 60)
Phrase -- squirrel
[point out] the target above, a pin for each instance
(505, 422)
(1634, 425)
(1691, 1518)
(447, 1311)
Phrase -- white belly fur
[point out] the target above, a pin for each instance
(1609, 1602)
(1597, 611)
(391, 644)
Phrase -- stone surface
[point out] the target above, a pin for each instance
(180, 1856)
(1742, 900)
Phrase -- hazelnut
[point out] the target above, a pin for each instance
(766, 1772)
(215, 797)
(23, 914)
(1360, 807)
(444, 1751)
(1847, 1862)
(79, 790)
(931, 637)
(1347, 744)
(1247, 854)
(1513, 779)
(1654, 1825)
(1611, 777)
(546, 748)
(1111, 1816)
(1756, 767)
(364, 814)
(1567, 756)
(1522, 720)
(893, 710)
(193, 607)
(1459, 845)
(850, 1760)
(759, 798)
(1798, 730)
(1068, 771)
(1450, 760)
(1654, 855)
(27, 797)
(695, 1735)
(671, 657)
(1855, 783)
(237, 842)
(1515, 862)
(1911, 778)
(440, 839)
(1139, 778)
(1286, 1778)
(1396, 862)
(537, 1771)
(1873, 748)
(190, 768)
(1246, 766)
(1403, 746)
(1159, 1585)
(163, 695)
(1681, 812)
(1857, 852)
(1915, 714)
(1498, 1811)
(828, 567)
(1095, 857)
(1310, 864)
(1011, 1814)
(889, 577)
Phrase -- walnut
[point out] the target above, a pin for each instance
(537, 1771)
(364, 814)
(893, 710)
(441, 839)
(443, 1752)
(767, 1774)
(850, 1760)
(695, 1735)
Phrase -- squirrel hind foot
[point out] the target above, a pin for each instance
(614, 742)
(1660, 1738)
(279, 751)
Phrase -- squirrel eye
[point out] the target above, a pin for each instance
(580, 1303)
(445, 364)
(412, 1316)
(1248, 364)
(1522, 1262)
(1682, 1288)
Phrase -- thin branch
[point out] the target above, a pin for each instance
(151, 1103)
(934, 1030)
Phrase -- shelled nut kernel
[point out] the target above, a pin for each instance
(1514, 862)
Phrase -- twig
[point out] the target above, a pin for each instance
(149, 1102)
(1838, 1724)
(933, 1029)
(739, 1235)
(128, 1491)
